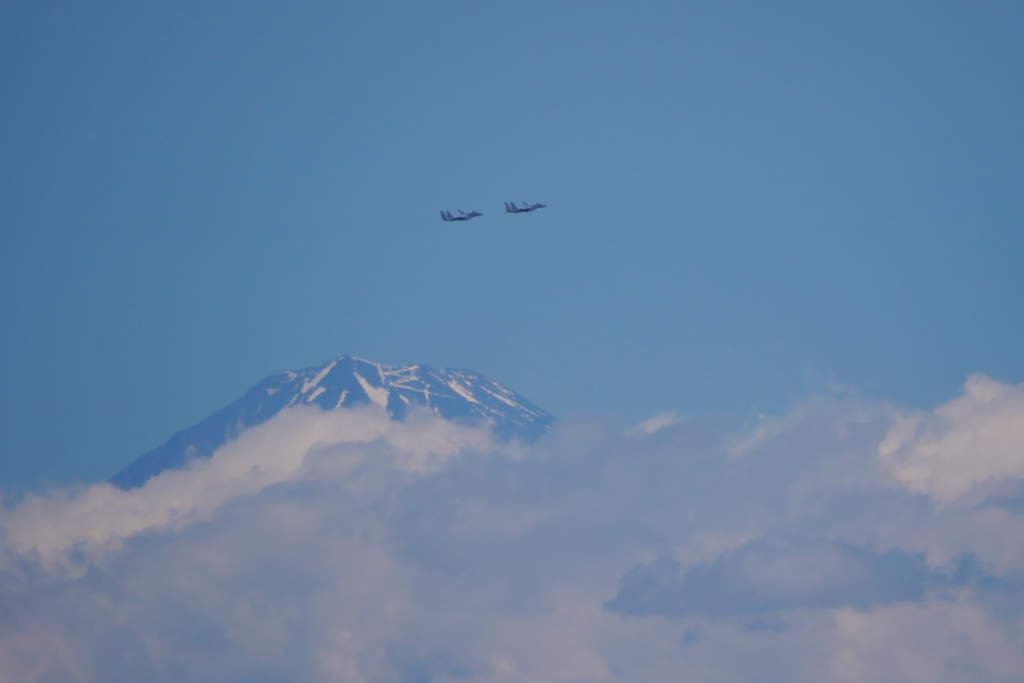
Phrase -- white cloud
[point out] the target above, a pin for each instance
(342, 546)
(97, 519)
(973, 438)
(654, 424)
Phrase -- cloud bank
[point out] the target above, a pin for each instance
(845, 541)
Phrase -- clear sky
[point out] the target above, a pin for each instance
(747, 203)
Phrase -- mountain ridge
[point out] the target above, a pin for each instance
(454, 394)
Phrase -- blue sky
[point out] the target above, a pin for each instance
(747, 204)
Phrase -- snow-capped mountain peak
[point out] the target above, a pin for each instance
(453, 394)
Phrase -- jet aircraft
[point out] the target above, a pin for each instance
(510, 207)
(447, 215)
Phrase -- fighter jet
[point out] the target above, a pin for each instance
(510, 207)
(447, 215)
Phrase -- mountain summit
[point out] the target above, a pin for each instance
(453, 394)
